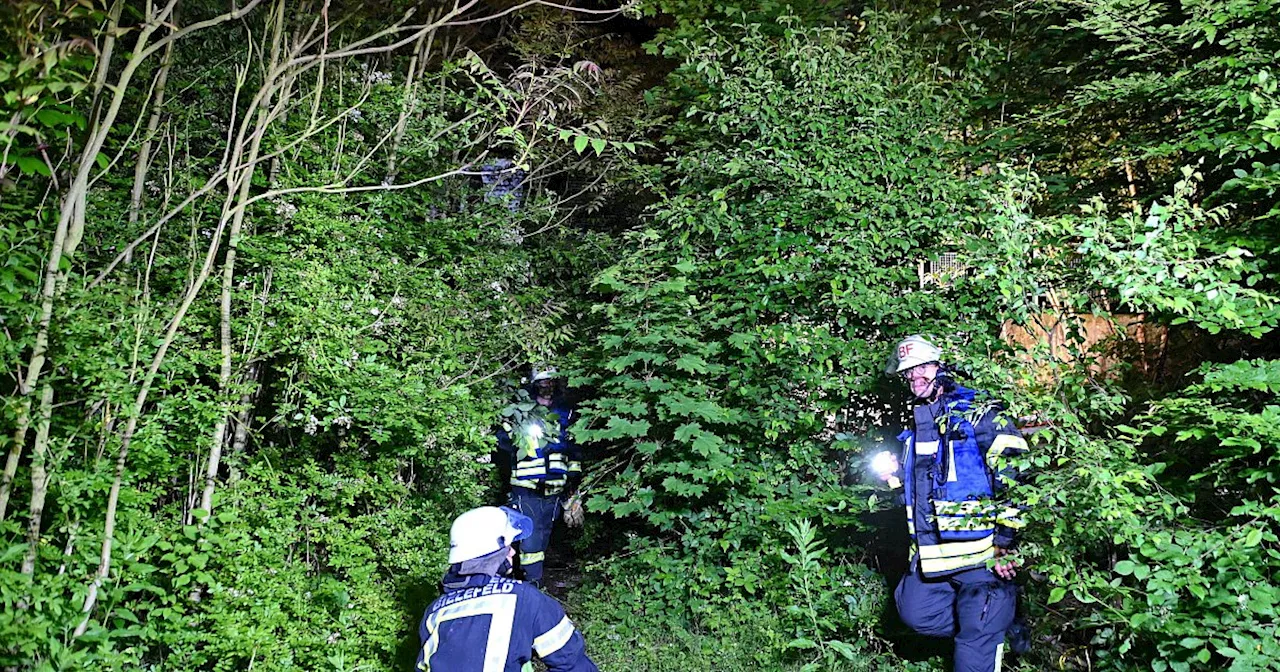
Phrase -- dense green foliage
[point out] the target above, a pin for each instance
(343, 367)
(743, 320)
(262, 308)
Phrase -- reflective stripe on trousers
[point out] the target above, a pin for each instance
(543, 510)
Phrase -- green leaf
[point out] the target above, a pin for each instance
(707, 443)
(687, 431)
(618, 427)
(691, 363)
(32, 165)
(125, 614)
(580, 143)
(843, 649)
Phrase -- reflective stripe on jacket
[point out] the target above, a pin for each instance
(967, 472)
(551, 466)
(496, 624)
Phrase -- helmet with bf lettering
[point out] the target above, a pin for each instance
(912, 351)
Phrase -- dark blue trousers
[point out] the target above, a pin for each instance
(543, 509)
(974, 607)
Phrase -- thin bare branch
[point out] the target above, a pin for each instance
(198, 26)
(127, 251)
(535, 3)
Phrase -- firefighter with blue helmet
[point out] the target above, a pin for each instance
(544, 462)
(954, 473)
(486, 621)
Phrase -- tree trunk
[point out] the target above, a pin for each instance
(193, 290)
(228, 269)
(143, 165)
(66, 238)
(406, 106)
(39, 479)
(240, 438)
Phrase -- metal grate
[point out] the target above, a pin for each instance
(939, 271)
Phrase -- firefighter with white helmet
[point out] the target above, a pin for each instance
(954, 472)
(913, 351)
(486, 620)
(544, 462)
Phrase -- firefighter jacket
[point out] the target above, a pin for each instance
(548, 463)
(488, 623)
(956, 468)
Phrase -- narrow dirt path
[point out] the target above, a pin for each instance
(563, 573)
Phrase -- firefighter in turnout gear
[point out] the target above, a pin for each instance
(545, 463)
(486, 621)
(954, 471)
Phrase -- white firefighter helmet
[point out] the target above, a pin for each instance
(486, 530)
(912, 351)
(543, 373)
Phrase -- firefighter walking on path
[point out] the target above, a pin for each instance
(545, 463)
(954, 471)
(486, 621)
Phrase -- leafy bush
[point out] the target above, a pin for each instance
(829, 605)
(1128, 549)
(631, 623)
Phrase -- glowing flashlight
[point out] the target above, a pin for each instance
(885, 464)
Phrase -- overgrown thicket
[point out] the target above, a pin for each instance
(261, 289)
(1153, 129)
(266, 275)
(809, 174)
(1077, 165)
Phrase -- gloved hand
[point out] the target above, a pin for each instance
(574, 516)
